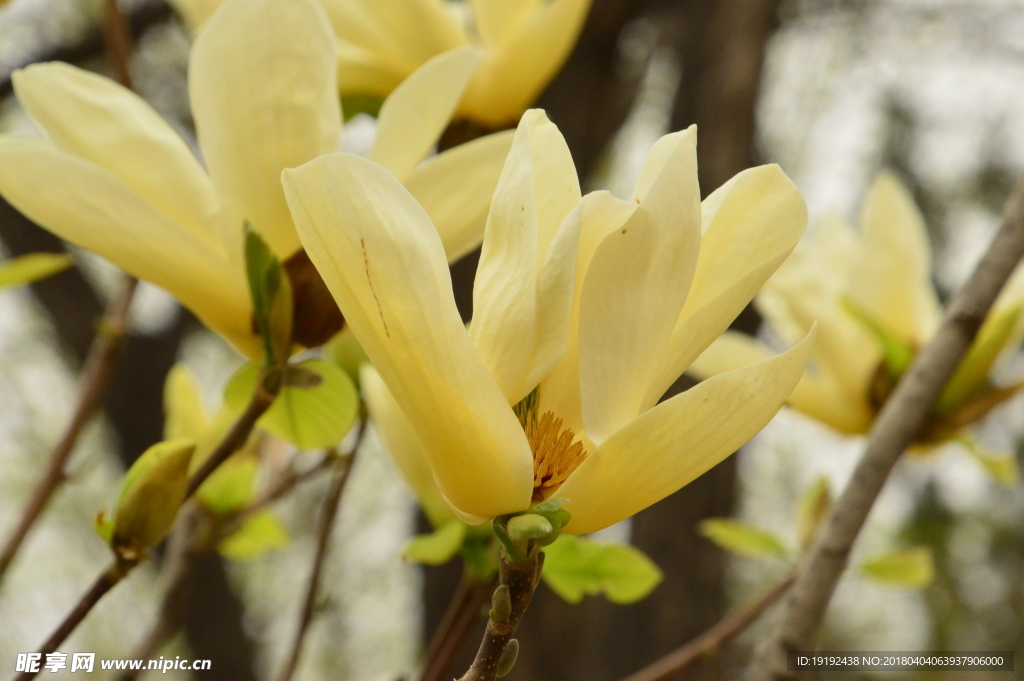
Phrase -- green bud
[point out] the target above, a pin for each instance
(529, 526)
(153, 490)
(501, 604)
(508, 658)
(271, 298)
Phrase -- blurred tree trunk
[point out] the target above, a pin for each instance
(721, 45)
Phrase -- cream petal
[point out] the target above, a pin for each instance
(633, 293)
(364, 73)
(401, 34)
(818, 394)
(892, 281)
(262, 81)
(195, 12)
(384, 263)
(496, 20)
(751, 224)
(512, 76)
(474, 168)
(672, 444)
(95, 210)
(417, 112)
(601, 214)
(556, 188)
(110, 126)
(505, 288)
(400, 441)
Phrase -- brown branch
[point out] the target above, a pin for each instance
(117, 39)
(521, 580)
(107, 580)
(898, 424)
(710, 642)
(465, 608)
(342, 469)
(96, 375)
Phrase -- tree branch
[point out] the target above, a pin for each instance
(342, 469)
(896, 427)
(464, 609)
(710, 642)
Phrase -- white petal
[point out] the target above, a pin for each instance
(385, 266)
(263, 90)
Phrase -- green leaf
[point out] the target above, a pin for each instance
(315, 417)
(577, 566)
(259, 533)
(971, 375)
(271, 297)
(911, 568)
(230, 487)
(438, 547)
(812, 509)
(1001, 467)
(743, 539)
(32, 267)
(897, 354)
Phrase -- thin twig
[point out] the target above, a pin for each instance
(117, 38)
(711, 641)
(898, 424)
(342, 469)
(96, 375)
(465, 608)
(521, 580)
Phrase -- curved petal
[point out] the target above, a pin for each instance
(263, 89)
(384, 264)
(400, 34)
(751, 224)
(474, 168)
(496, 20)
(672, 444)
(110, 126)
(505, 287)
(819, 394)
(91, 208)
(514, 73)
(634, 291)
(892, 281)
(400, 441)
(556, 188)
(417, 112)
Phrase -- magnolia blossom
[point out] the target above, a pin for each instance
(870, 292)
(112, 177)
(585, 312)
(381, 42)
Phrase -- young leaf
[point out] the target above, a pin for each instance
(577, 566)
(152, 491)
(911, 568)
(230, 487)
(438, 547)
(971, 375)
(813, 508)
(743, 539)
(259, 533)
(32, 267)
(271, 298)
(1001, 467)
(309, 416)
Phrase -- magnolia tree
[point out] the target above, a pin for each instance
(543, 420)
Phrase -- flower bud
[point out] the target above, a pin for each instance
(501, 604)
(153, 490)
(508, 658)
(529, 526)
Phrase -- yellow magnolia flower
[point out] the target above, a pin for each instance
(871, 294)
(380, 42)
(585, 312)
(114, 178)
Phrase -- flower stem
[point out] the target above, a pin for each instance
(96, 375)
(521, 579)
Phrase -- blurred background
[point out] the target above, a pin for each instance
(833, 90)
